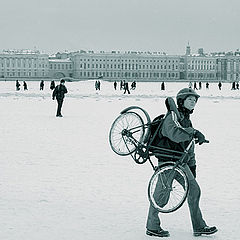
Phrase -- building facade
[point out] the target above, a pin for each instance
(60, 66)
(23, 64)
(129, 66)
(200, 68)
(228, 68)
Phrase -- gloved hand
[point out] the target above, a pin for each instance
(200, 137)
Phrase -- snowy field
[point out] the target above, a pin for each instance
(60, 180)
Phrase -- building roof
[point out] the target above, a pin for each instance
(66, 60)
(20, 51)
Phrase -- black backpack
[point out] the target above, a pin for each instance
(155, 129)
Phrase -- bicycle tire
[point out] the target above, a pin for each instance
(168, 188)
(122, 144)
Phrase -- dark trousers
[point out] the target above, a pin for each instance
(126, 90)
(59, 107)
(153, 220)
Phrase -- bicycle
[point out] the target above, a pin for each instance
(130, 134)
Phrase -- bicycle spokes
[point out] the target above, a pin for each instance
(126, 131)
(168, 188)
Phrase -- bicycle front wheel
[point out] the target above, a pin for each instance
(168, 188)
(126, 132)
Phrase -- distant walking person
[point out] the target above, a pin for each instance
(25, 85)
(122, 85)
(207, 85)
(97, 85)
(115, 85)
(52, 85)
(59, 93)
(237, 85)
(233, 86)
(195, 86)
(133, 85)
(163, 86)
(220, 86)
(200, 85)
(41, 85)
(18, 85)
(126, 88)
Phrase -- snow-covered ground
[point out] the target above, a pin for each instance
(60, 180)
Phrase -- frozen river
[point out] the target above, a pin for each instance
(61, 181)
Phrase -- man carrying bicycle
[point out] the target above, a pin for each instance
(177, 131)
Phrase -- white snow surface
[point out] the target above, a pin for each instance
(60, 180)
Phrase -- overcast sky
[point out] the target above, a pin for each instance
(124, 25)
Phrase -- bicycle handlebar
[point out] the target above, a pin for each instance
(194, 141)
(206, 141)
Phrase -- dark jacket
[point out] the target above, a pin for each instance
(59, 92)
(176, 133)
(52, 85)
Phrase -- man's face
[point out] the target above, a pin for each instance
(190, 102)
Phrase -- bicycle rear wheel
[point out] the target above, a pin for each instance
(126, 132)
(168, 188)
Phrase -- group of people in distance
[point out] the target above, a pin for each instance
(125, 86)
(59, 92)
(235, 86)
(198, 85)
(18, 85)
(25, 87)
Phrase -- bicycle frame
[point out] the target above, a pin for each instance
(143, 149)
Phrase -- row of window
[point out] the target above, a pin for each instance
(127, 60)
(231, 66)
(201, 67)
(60, 66)
(202, 61)
(24, 65)
(23, 70)
(128, 74)
(127, 66)
(22, 74)
(201, 75)
(23, 60)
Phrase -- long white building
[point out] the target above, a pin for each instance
(134, 66)
(111, 66)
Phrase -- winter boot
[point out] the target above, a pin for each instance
(205, 231)
(158, 233)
